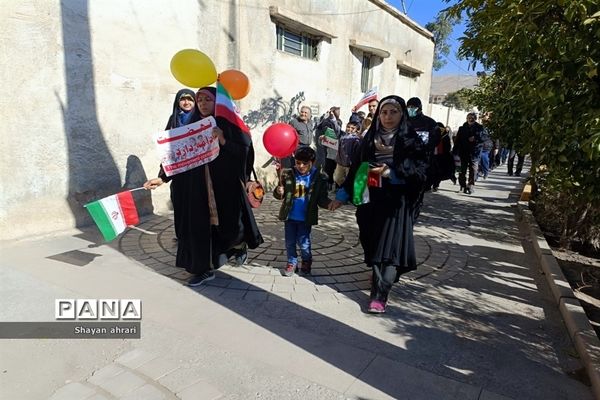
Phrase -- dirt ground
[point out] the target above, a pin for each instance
(583, 274)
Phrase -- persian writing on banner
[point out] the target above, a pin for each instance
(329, 139)
(187, 147)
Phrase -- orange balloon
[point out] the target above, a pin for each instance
(235, 82)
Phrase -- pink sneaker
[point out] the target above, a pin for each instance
(376, 307)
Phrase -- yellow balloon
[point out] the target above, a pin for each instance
(193, 68)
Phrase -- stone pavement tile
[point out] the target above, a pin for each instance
(302, 297)
(343, 287)
(304, 288)
(209, 291)
(429, 281)
(167, 259)
(239, 273)
(306, 280)
(182, 275)
(323, 280)
(135, 358)
(73, 391)
(168, 270)
(344, 278)
(274, 252)
(325, 289)
(122, 384)
(147, 392)
(263, 279)
(485, 395)
(387, 379)
(97, 396)
(278, 296)
(200, 390)
(158, 367)
(260, 271)
(105, 373)
(264, 287)
(220, 282)
(443, 275)
(235, 284)
(256, 296)
(325, 297)
(181, 378)
(284, 280)
(233, 294)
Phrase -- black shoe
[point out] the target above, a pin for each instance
(517, 174)
(200, 279)
(468, 191)
(305, 268)
(241, 255)
(510, 173)
(241, 258)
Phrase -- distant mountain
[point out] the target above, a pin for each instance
(442, 85)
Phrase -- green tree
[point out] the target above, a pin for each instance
(544, 95)
(460, 99)
(441, 28)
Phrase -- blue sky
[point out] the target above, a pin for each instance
(424, 11)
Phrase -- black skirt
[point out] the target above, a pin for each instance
(192, 226)
(386, 228)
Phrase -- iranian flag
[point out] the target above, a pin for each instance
(226, 108)
(369, 95)
(361, 187)
(113, 214)
(363, 179)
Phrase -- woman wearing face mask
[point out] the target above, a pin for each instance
(395, 153)
(213, 220)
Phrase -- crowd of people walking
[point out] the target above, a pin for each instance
(383, 162)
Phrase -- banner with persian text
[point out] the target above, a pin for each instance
(187, 147)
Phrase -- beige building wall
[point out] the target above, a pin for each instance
(86, 84)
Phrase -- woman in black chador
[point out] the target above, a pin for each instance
(213, 219)
(395, 154)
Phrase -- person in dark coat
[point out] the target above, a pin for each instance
(468, 147)
(443, 159)
(394, 152)
(213, 219)
(428, 130)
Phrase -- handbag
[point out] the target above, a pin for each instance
(255, 191)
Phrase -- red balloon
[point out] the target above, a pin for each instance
(280, 140)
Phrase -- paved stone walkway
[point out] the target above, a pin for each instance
(474, 321)
(338, 265)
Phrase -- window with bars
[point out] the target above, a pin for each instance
(299, 44)
(365, 76)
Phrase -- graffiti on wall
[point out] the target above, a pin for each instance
(273, 109)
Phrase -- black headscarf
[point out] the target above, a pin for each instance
(367, 141)
(409, 160)
(180, 117)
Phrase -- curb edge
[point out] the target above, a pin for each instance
(578, 325)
